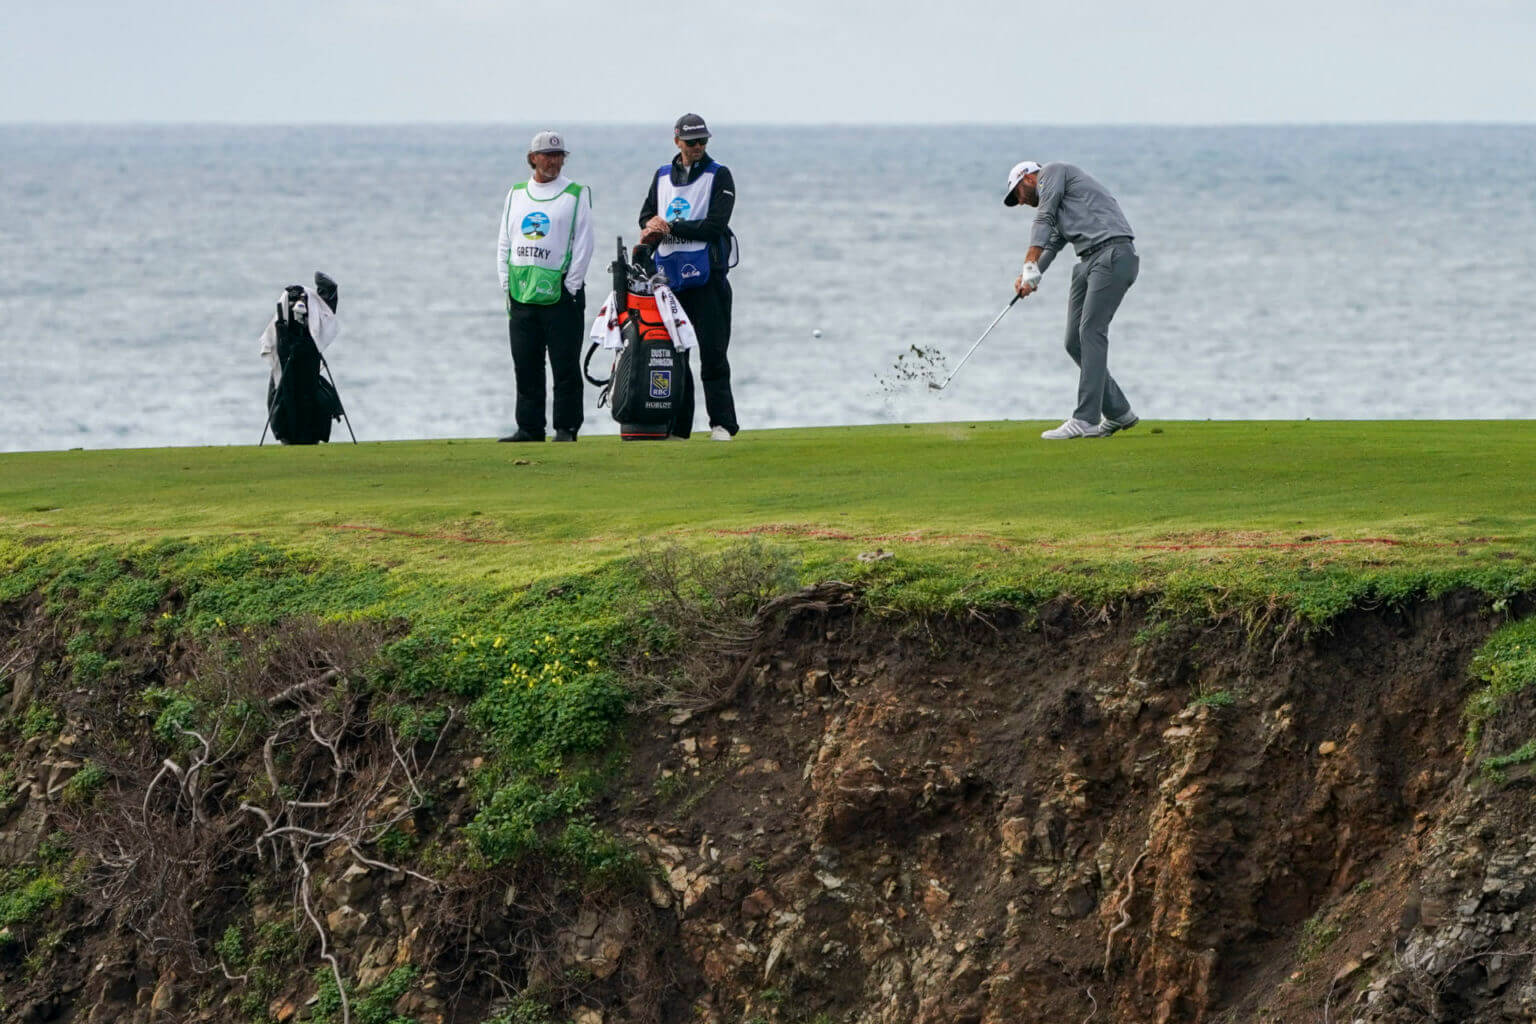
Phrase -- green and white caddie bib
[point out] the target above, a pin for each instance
(536, 265)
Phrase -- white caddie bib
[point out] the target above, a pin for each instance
(686, 263)
(541, 232)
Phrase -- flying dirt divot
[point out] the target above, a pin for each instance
(914, 366)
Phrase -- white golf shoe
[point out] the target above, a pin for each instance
(718, 433)
(1071, 430)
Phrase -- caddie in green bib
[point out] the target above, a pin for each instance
(542, 257)
(542, 233)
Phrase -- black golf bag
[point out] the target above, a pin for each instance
(302, 404)
(650, 390)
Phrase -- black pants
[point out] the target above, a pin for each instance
(556, 329)
(709, 307)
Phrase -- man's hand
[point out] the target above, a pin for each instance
(656, 225)
(1029, 280)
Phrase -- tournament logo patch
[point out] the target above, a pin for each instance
(689, 271)
(535, 225)
(678, 209)
(661, 383)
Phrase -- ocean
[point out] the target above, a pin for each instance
(1330, 272)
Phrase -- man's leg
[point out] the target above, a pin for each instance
(1105, 279)
(525, 328)
(709, 307)
(1075, 295)
(564, 340)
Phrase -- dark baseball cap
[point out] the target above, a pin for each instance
(690, 126)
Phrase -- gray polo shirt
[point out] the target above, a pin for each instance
(1074, 208)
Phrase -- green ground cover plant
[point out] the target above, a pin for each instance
(26, 893)
(372, 1006)
(1506, 666)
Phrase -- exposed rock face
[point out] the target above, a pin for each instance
(970, 823)
(1053, 824)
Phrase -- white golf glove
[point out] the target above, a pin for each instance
(1031, 275)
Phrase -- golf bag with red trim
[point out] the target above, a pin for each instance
(302, 404)
(650, 390)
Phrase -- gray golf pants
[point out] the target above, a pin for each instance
(1098, 284)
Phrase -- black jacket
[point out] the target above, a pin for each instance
(714, 227)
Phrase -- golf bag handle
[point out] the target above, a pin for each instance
(604, 386)
(587, 373)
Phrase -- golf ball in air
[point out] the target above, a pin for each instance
(816, 333)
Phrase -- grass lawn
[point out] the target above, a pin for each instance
(978, 502)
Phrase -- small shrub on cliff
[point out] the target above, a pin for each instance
(174, 710)
(1316, 937)
(1507, 665)
(524, 1010)
(24, 894)
(231, 948)
(549, 702)
(1493, 767)
(702, 609)
(375, 1006)
(38, 720)
(1213, 699)
(523, 819)
(86, 661)
(83, 787)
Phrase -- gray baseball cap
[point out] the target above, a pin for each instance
(690, 126)
(548, 142)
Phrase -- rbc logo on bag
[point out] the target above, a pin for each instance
(535, 225)
(661, 383)
(678, 209)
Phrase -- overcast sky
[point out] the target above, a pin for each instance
(790, 61)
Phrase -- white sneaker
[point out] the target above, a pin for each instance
(1072, 429)
(1113, 425)
(719, 434)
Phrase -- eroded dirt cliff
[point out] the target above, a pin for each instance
(1091, 818)
(1080, 816)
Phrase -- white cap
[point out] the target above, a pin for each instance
(1015, 176)
(547, 142)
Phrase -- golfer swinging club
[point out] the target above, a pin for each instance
(1072, 207)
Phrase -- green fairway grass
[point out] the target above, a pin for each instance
(978, 504)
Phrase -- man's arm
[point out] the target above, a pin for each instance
(1047, 226)
(712, 226)
(581, 247)
(1044, 255)
(1039, 257)
(503, 245)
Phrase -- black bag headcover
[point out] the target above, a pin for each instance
(326, 289)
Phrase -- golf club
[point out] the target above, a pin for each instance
(277, 392)
(994, 323)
